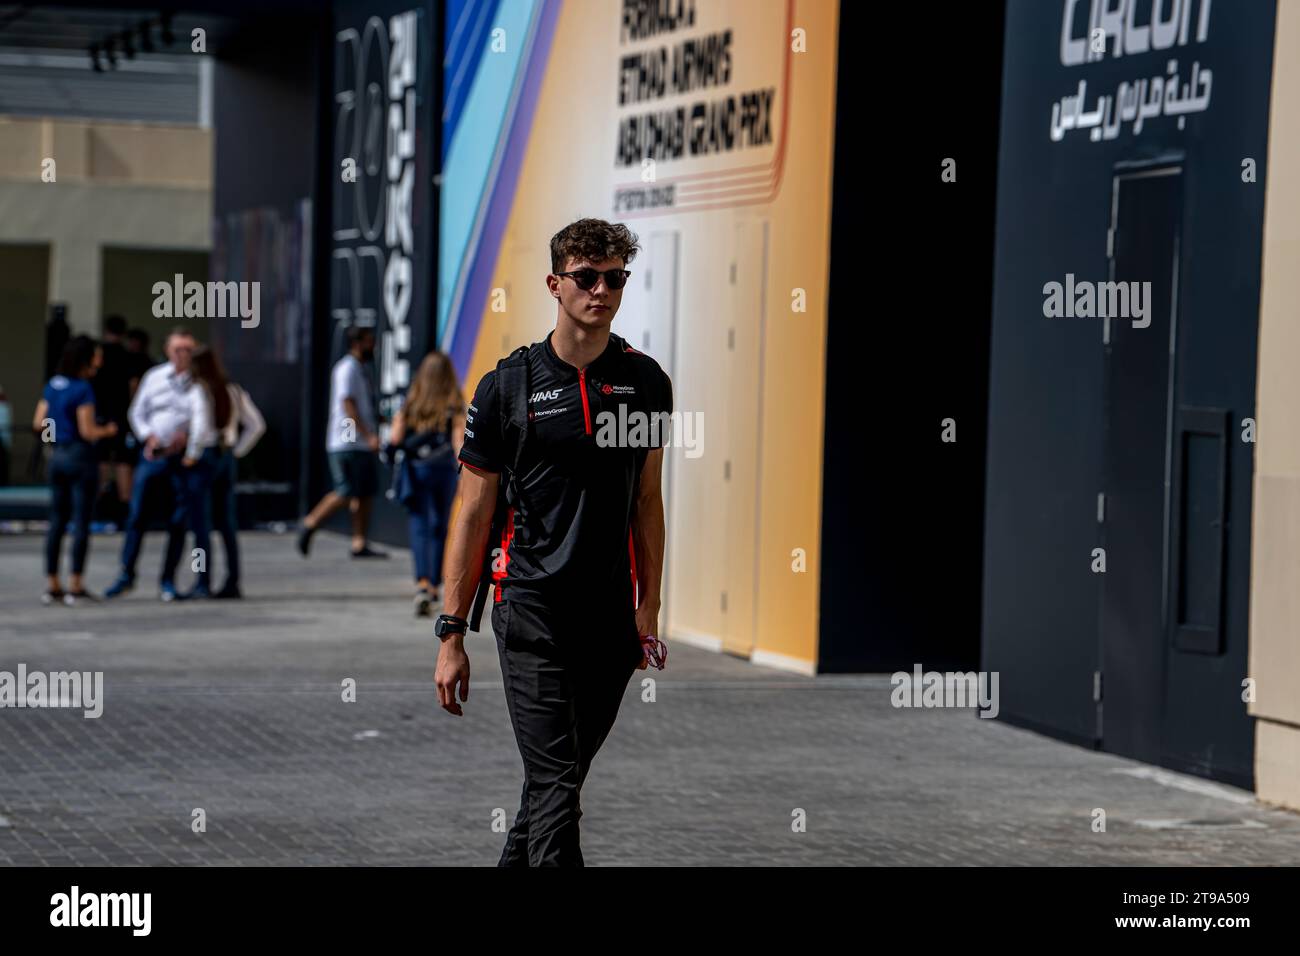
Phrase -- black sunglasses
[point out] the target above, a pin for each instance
(585, 279)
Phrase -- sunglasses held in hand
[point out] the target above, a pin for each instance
(656, 652)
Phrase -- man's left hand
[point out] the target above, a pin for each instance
(647, 619)
(647, 623)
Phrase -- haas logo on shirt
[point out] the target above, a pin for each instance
(545, 396)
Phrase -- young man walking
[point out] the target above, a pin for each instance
(352, 441)
(575, 571)
(160, 417)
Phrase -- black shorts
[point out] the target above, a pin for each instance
(121, 449)
(355, 473)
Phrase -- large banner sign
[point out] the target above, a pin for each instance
(701, 89)
(1166, 32)
(381, 258)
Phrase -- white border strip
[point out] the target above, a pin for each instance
(783, 662)
(706, 641)
(1195, 785)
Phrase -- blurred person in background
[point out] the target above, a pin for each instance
(139, 360)
(160, 417)
(57, 335)
(242, 432)
(352, 441)
(6, 435)
(65, 418)
(210, 414)
(112, 398)
(429, 430)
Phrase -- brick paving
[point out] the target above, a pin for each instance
(236, 708)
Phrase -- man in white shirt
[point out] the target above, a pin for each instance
(160, 417)
(352, 441)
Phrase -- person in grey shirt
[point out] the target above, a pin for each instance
(352, 441)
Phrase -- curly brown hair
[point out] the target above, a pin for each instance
(593, 240)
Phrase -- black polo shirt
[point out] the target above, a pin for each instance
(567, 544)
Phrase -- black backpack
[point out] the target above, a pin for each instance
(512, 398)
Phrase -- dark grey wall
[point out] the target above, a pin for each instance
(1046, 416)
(266, 104)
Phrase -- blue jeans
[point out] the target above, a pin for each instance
(434, 487)
(74, 479)
(225, 513)
(157, 486)
(196, 503)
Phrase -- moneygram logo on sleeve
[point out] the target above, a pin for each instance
(74, 909)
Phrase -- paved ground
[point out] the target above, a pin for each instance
(236, 708)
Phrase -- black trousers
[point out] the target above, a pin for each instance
(565, 675)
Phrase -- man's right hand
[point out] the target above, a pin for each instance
(452, 671)
(151, 447)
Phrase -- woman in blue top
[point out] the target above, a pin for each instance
(429, 430)
(65, 419)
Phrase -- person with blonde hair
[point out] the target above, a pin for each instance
(428, 430)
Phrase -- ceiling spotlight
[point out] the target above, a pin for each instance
(94, 58)
(128, 45)
(146, 38)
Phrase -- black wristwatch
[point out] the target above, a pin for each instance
(449, 624)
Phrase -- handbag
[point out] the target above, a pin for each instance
(418, 448)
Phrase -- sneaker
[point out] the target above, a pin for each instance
(52, 597)
(73, 598)
(229, 592)
(369, 552)
(167, 592)
(196, 593)
(423, 603)
(304, 540)
(123, 584)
